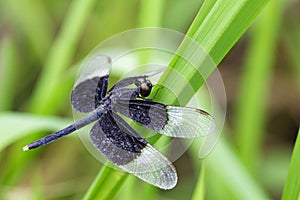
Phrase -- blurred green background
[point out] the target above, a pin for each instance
(42, 44)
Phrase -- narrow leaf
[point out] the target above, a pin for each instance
(14, 126)
(291, 189)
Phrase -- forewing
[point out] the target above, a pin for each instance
(117, 141)
(91, 85)
(188, 122)
(172, 121)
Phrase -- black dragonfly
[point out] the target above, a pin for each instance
(118, 141)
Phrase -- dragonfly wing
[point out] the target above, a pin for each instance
(117, 141)
(91, 85)
(172, 121)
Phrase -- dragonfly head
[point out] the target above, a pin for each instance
(144, 85)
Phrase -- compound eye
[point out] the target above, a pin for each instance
(145, 88)
(138, 82)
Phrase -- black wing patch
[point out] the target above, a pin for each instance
(91, 85)
(172, 121)
(150, 114)
(117, 141)
(86, 96)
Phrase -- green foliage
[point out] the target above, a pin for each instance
(292, 184)
(252, 99)
(41, 40)
(30, 123)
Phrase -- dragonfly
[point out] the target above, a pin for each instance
(115, 138)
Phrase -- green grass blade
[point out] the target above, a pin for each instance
(292, 40)
(231, 171)
(102, 188)
(217, 27)
(38, 30)
(226, 173)
(254, 86)
(60, 56)
(117, 187)
(17, 161)
(8, 64)
(26, 124)
(151, 13)
(291, 189)
(199, 192)
(100, 179)
(222, 23)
